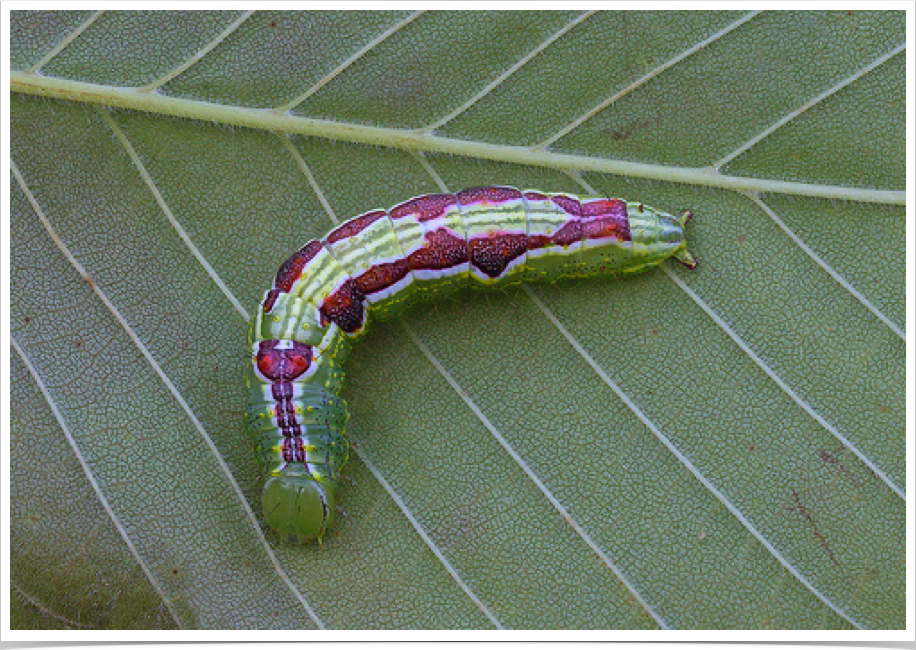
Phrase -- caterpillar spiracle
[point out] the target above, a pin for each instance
(379, 264)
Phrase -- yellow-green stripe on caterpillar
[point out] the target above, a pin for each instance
(381, 263)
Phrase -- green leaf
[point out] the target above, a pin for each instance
(719, 448)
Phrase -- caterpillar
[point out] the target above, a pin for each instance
(382, 262)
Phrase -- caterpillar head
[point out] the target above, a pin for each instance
(298, 506)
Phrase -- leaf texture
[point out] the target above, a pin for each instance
(723, 448)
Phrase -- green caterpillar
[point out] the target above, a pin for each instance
(382, 262)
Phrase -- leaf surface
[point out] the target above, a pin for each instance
(722, 448)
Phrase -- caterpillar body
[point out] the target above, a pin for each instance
(380, 263)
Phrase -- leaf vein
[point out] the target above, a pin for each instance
(807, 408)
(266, 119)
(817, 99)
(353, 58)
(516, 456)
(154, 365)
(795, 397)
(685, 460)
(169, 215)
(44, 609)
(428, 540)
(870, 306)
(564, 513)
(201, 53)
(579, 121)
(93, 483)
(486, 90)
(69, 38)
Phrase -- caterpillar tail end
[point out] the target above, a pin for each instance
(685, 258)
(683, 255)
(299, 507)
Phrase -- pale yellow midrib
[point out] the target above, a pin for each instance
(270, 120)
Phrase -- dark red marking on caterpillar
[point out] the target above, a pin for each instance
(381, 276)
(283, 362)
(345, 307)
(445, 250)
(492, 194)
(494, 253)
(355, 225)
(424, 208)
(292, 268)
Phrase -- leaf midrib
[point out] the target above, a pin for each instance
(272, 120)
